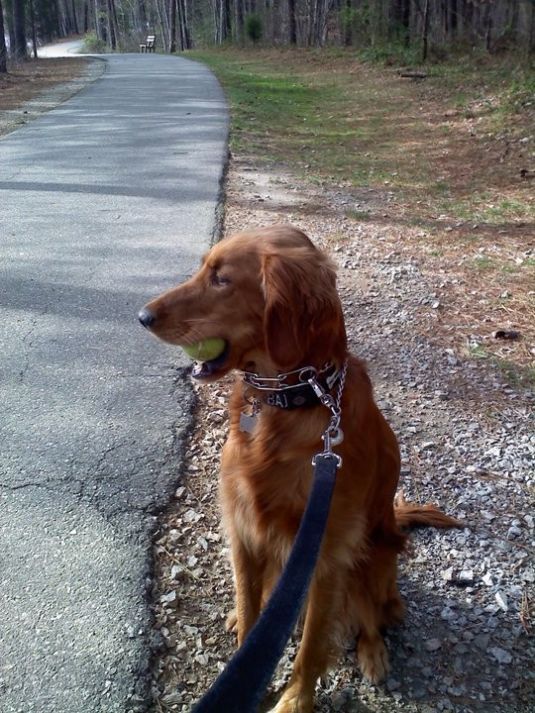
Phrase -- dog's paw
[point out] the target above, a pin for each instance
(293, 704)
(294, 700)
(373, 659)
(231, 622)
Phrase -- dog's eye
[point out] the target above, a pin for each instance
(219, 280)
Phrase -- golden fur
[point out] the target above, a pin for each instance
(271, 295)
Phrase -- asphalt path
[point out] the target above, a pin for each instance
(104, 202)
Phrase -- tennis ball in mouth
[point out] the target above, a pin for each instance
(206, 349)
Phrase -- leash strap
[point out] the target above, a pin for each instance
(241, 686)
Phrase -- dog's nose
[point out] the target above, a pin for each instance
(146, 317)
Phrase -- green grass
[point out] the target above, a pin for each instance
(262, 99)
(358, 215)
(487, 207)
(394, 53)
(338, 125)
(330, 116)
(520, 94)
(483, 263)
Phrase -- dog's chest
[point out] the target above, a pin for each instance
(266, 506)
(269, 537)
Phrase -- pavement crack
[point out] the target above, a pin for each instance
(23, 486)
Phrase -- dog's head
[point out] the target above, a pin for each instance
(270, 294)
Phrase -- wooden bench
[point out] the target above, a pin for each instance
(149, 45)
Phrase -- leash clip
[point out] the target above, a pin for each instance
(333, 434)
(328, 455)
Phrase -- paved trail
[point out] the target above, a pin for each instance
(61, 49)
(104, 202)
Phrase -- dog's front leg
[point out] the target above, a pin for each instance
(248, 573)
(322, 616)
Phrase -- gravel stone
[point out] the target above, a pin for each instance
(432, 644)
(501, 655)
(501, 599)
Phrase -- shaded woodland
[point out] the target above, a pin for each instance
(430, 27)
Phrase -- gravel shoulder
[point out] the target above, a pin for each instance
(468, 444)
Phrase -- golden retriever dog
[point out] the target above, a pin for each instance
(270, 295)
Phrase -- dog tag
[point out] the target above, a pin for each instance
(247, 422)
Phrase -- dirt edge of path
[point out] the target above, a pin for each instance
(36, 92)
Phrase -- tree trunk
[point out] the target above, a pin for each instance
(226, 23)
(116, 24)
(100, 24)
(468, 20)
(75, 27)
(183, 25)
(57, 15)
(313, 22)
(32, 23)
(407, 21)
(531, 35)
(8, 4)
(112, 33)
(19, 25)
(488, 28)
(181, 21)
(239, 20)
(218, 20)
(64, 24)
(453, 19)
(425, 31)
(325, 7)
(142, 10)
(228, 4)
(3, 48)
(348, 23)
(69, 21)
(515, 13)
(164, 24)
(292, 23)
(172, 39)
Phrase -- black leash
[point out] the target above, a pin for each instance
(242, 685)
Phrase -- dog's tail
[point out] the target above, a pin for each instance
(412, 515)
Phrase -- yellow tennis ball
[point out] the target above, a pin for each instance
(206, 349)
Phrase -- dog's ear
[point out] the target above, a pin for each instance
(303, 316)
